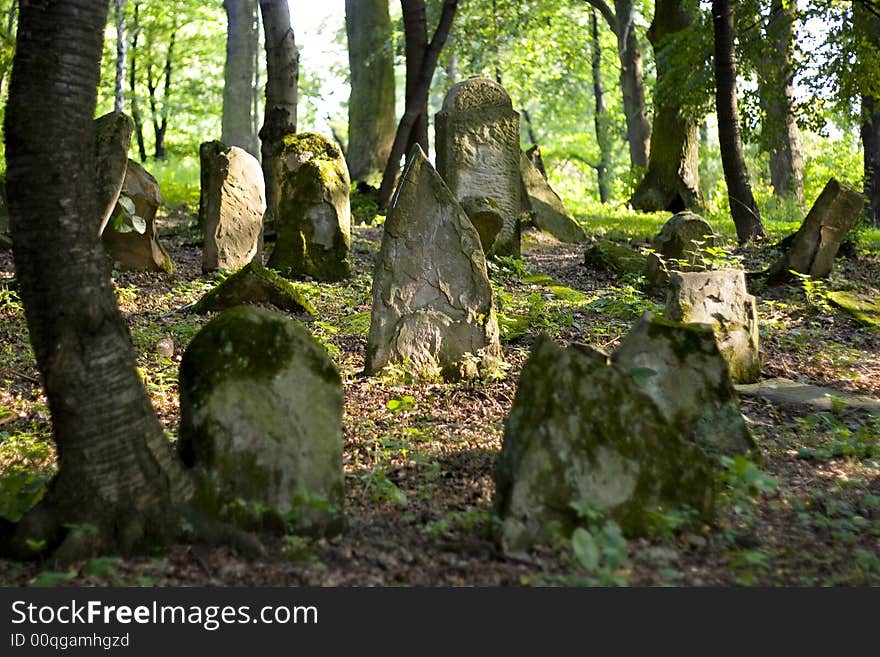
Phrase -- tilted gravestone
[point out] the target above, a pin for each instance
(432, 301)
(582, 435)
(813, 248)
(261, 419)
(547, 209)
(478, 156)
(313, 213)
(208, 150)
(130, 239)
(680, 245)
(112, 139)
(235, 201)
(720, 299)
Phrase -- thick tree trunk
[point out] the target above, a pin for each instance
(672, 181)
(871, 146)
(238, 76)
(136, 115)
(416, 102)
(743, 208)
(119, 100)
(779, 133)
(638, 129)
(371, 118)
(117, 471)
(603, 136)
(282, 78)
(415, 37)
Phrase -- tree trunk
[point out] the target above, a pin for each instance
(132, 85)
(415, 36)
(638, 129)
(779, 133)
(672, 181)
(743, 208)
(603, 136)
(282, 77)
(416, 102)
(119, 95)
(117, 471)
(371, 119)
(867, 23)
(238, 76)
(160, 111)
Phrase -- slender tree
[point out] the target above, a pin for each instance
(743, 208)
(119, 88)
(672, 181)
(159, 107)
(116, 468)
(239, 75)
(371, 120)
(866, 22)
(136, 115)
(410, 128)
(603, 134)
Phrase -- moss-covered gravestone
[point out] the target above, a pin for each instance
(112, 139)
(254, 284)
(478, 156)
(208, 151)
(261, 419)
(681, 369)
(235, 201)
(680, 245)
(720, 299)
(432, 301)
(130, 238)
(614, 258)
(546, 208)
(583, 435)
(313, 213)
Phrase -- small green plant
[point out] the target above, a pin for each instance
(401, 404)
(815, 291)
(126, 220)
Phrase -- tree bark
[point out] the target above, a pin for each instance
(238, 76)
(119, 89)
(672, 181)
(867, 23)
(603, 136)
(416, 102)
(780, 135)
(159, 111)
(371, 119)
(117, 471)
(415, 37)
(132, 85)
(282, 77)
(743, 208)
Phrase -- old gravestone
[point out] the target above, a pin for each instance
(432, 301)
(680, 367)
(208, 150)
(546, 208)
(720, 299)
(679, 245)
(261, 418)
(235, 201)
(582, 434)
(313, 213)
(814, 246)
(112, 139)
(131, 241)
(5, 238)
(478, 156)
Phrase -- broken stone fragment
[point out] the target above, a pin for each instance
(547, 209)
(112, 140)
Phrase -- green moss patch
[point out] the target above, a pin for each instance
(255, 284)
(864, 310)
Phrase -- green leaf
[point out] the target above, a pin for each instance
(138, 224)
(641, 374)
(585, 549)
(50, 578)
(126, 204)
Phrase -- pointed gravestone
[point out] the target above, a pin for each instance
(720, 299)
(583, 436)
(680, 368)
(130, 238)
(313, 213)
(478, 156)
(208, 151)
(235, 202)
(680, 245)
(547, 209)
(814, 246)
(432, 301)
(261, 419)
(112, 139)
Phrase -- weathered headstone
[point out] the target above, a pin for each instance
(261, 418)
(614, 258)
(720, 299)
(679, 246)
(313, 215)
(134, 245)
(112, 139)
(814, 246)
(582, 434)
(235, 201)
(254, 284)
(208, 151)
(533, 154)
(680, 367)
(5, 238)
(547, 209)
(478, 156)
(432, 301)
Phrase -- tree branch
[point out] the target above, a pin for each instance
(607, 13)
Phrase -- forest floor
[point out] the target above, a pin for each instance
(419, 457)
